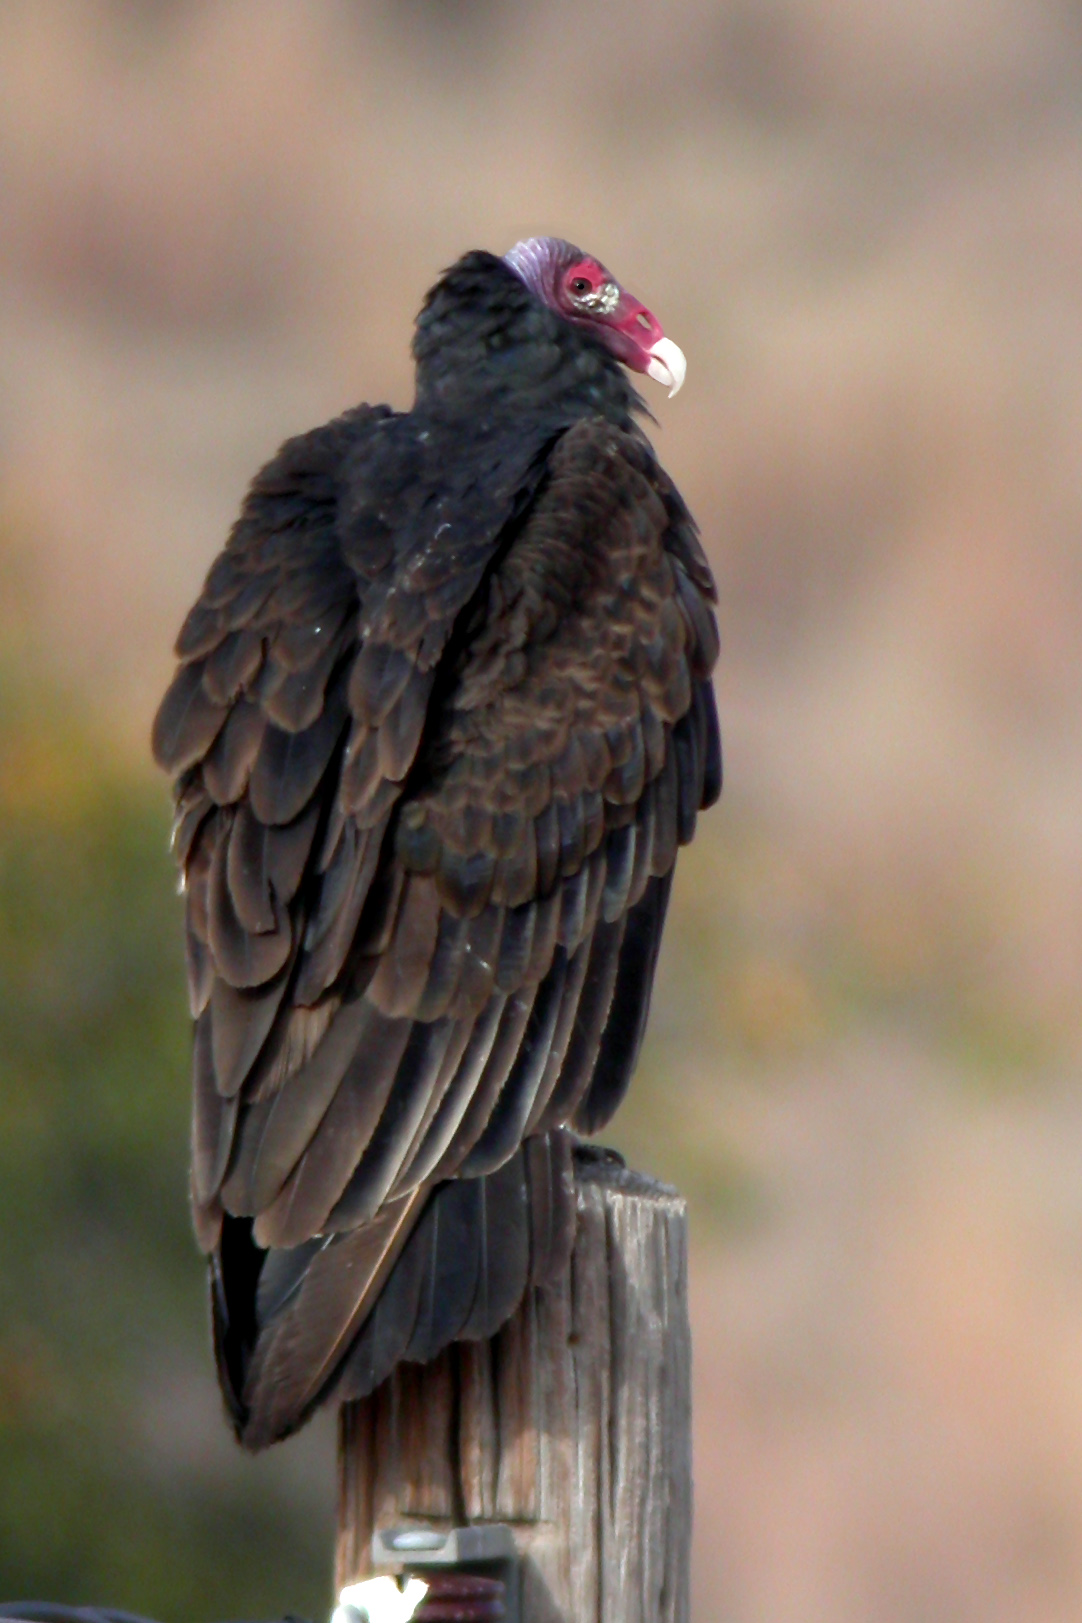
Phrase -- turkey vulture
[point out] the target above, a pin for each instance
(442, 717)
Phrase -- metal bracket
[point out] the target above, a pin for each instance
(440, 1556)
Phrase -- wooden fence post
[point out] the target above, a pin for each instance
(573, 1425)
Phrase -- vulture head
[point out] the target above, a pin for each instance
(579, 288)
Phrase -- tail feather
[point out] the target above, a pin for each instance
(504, 1247)
(443, 1263)
(275, 1371)
(450, 1286)
(551, 1177)
(386, 1333)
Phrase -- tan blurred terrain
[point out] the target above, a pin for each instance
(863, 223)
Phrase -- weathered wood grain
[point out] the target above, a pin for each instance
(573, 1424)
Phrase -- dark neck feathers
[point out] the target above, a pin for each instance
(485, 344)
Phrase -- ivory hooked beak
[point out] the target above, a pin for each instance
(667, 365)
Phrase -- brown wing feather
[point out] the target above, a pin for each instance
(411, 865)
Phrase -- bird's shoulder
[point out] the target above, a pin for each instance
(581, 657)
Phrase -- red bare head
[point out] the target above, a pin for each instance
(582, 291)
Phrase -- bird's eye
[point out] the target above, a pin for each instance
(580, 284)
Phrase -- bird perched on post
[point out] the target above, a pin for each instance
(442, 717)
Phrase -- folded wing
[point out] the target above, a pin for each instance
(428, 807)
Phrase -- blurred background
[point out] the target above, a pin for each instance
(863, 223)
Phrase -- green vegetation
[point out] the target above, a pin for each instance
(108, 1491)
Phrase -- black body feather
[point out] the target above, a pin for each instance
(442, 718)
